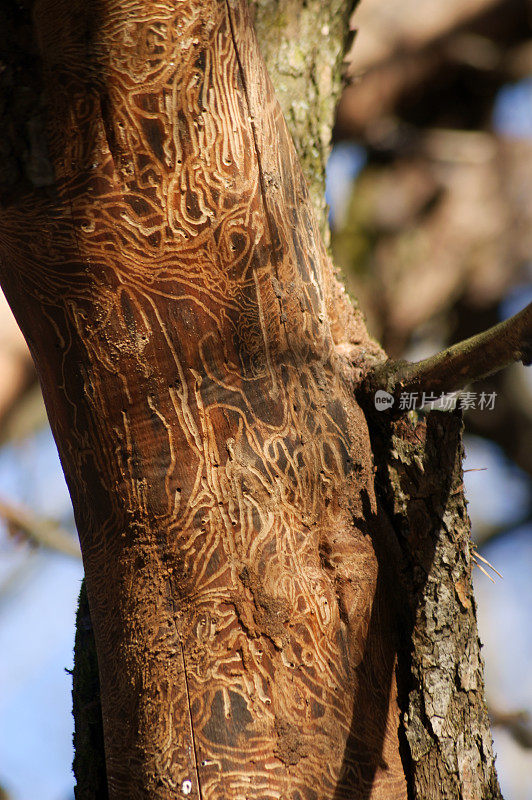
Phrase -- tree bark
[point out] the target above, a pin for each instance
(445, 735)
(303, 43)
(247, 547)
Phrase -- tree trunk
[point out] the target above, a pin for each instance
(257, 567)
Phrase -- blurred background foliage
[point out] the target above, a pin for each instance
(430, 191)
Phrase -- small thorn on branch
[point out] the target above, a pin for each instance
(463, 363)
(475, 555)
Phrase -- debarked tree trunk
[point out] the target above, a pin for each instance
(199, 363)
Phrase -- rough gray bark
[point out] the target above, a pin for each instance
(447, 738)
(89, 754)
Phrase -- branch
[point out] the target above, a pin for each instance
(39, 530)
(517, 723)
(461, 364)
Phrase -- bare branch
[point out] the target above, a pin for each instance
(41, 531)
(517, 723)
(461, 364)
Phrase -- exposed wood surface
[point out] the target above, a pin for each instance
(180, 307)
(247, 591)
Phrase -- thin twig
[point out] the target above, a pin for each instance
(481, 568)
(39, 530)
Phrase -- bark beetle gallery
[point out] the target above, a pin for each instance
(199, 363)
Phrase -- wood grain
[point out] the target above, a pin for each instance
(184, 319)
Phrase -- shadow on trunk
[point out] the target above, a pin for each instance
(415, 483)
